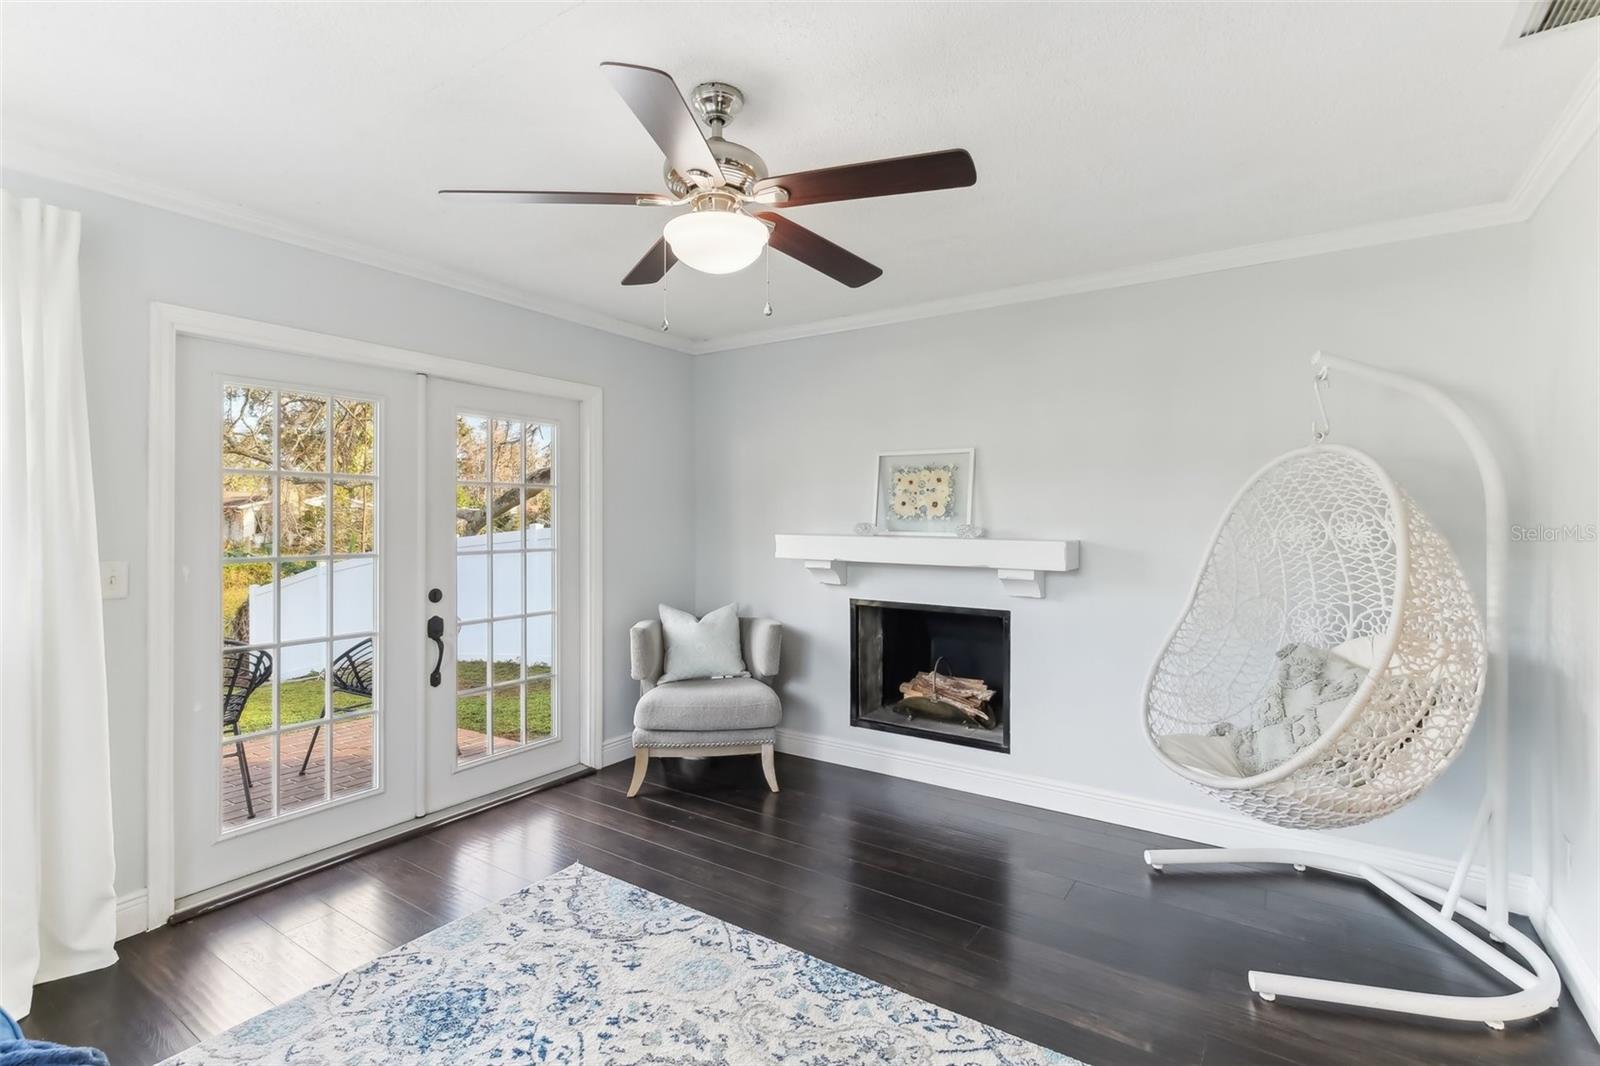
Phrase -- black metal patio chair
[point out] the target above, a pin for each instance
(243, 671)
(351, 674)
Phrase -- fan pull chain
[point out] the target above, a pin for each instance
(767, 307)
(666, 326)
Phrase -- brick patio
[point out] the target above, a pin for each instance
(352, 769)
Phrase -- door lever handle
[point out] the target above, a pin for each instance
(436, 634)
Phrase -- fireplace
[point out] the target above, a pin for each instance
(948, 657)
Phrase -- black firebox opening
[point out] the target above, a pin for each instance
(890, 643)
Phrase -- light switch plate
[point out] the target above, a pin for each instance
(113, 580)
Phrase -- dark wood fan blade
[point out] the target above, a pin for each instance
(653, 266)
(819, 253)
(950, 169)
(529, 196)
(655, 101)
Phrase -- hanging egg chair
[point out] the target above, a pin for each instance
(1327, 667)
(1322, 568)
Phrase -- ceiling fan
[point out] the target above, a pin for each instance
(724, 184)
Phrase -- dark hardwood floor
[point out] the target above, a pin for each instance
(1044, 925)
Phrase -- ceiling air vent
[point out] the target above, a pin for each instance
(1553, 14)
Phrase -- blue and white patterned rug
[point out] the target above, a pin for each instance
(581, 968)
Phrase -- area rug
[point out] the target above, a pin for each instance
(581, 968)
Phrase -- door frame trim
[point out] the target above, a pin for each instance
(168, 322)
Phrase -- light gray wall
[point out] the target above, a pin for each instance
(1127, 419)
(1562, 577)
(133, 255)
(1124, 418)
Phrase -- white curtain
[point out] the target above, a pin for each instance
(58, 909)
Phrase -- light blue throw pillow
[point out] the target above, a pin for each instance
(708, 647)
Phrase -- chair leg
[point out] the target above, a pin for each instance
(244, 777)
(311, 747)
(641, 763)
(768, 768)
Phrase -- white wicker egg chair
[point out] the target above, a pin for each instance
(1321, 549)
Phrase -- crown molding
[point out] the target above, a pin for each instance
(1406, 229)
(1572, 130)
(1578, 122)
(28, 157)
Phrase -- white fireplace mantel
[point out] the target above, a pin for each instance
(1019, 564)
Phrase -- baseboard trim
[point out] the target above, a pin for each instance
(133, 914)
(1578, 976)
(616, 749)
(1171, 819)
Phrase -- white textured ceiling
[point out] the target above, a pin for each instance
(1106, 136)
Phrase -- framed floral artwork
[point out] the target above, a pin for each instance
(923, 494)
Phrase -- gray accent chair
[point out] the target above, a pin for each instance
(707, 717)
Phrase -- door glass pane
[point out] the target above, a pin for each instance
(246, 690)
(540, 581)
(506, 512)
(355, 517)
(352, 674)
(303, 601)
(246, 515)
(246, 781)
(303, 516)
(247, 603)
(472, 448)
(303, 432)
(471, 516)
(302, 688)
(247, 427)
(472, 586)
(507, 639)
(355, 436)
(540, 653)
(541, 454)
(355, 596)
(507, 567)
(538, 517)
(302, 768)
(541, 695)
(506, 453)
(353, 762)
(472, 656)
(507, 717)
(471, 739)
(280, 672)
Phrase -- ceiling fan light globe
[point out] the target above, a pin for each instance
(716, 242)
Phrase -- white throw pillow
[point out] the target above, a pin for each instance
(1211, 755)
(1309, 690)
(1357, 650)
(708, 647)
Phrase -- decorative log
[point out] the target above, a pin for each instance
(968, 696)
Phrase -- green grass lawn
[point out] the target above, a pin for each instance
(301, 701)
(470, 711)
(298, 701)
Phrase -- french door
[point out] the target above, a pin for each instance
(503, 700)
(372, 623)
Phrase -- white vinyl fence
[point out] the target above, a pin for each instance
(306, 599)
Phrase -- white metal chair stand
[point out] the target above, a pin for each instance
(1433, 664)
